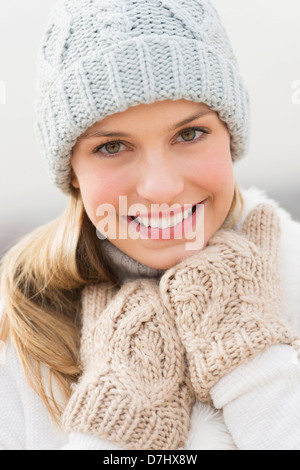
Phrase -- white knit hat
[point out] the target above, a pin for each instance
(99, 57)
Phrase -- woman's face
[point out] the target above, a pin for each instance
(175, 153)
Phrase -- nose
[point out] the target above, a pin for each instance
(159, 180)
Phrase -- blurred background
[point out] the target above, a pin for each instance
(266, 38)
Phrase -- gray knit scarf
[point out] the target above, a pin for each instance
(125, 267)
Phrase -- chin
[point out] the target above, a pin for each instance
(168, 259)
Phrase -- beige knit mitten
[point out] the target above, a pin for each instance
(134, 389)
(227, 299)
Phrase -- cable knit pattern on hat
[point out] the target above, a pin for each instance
(134, 389)
(100, 57)
(227, 300)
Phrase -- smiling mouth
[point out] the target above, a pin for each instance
(165, 222)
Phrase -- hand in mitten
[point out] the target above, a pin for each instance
(134, 389)
(227, 299)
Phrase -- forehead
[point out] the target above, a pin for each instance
(160, 111)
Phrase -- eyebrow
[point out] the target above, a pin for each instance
(189, 119)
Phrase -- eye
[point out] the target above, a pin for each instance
(187, 135)
(111, 148)
(192, 135)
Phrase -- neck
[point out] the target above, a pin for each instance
(125, 267)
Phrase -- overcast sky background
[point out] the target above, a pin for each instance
(265, 35)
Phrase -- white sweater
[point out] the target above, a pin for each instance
(257, 406)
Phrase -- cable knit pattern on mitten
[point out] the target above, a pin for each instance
(227, 300)
(134, 389)
(91, 304)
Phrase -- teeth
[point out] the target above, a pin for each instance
(187, 213)
(164, 223)
(154, 223)
(144, 221)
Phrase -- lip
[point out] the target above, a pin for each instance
(170, 233)
(165, 214)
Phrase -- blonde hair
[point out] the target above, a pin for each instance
(41, 281)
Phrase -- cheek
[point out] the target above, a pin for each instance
(220, 174)
(215, 177)
(101, 187)
(214, 171)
